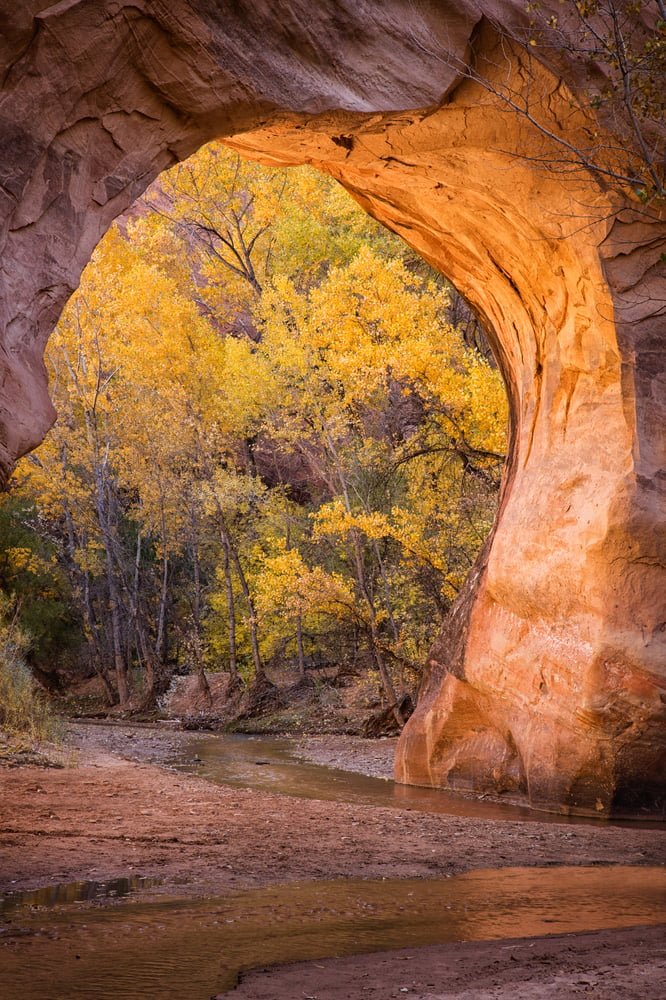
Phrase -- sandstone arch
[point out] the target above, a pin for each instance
(551, 675)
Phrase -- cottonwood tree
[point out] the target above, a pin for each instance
(340, 351)
(191, 542)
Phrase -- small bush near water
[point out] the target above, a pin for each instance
(24, 709)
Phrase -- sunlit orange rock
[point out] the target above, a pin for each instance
(550, 676)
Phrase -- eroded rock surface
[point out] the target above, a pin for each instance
(550, 676)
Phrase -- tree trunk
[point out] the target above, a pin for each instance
(361, 580)
(299, 645)
(231, 608)
(252, 614)
(119, 663)
(204, 686)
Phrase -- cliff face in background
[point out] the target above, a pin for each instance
(550, 676)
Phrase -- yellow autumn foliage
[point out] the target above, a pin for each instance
(265, 418)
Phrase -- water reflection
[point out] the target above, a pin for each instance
(75, 892)
(169, 950)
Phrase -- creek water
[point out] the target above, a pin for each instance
(75, 892)
(273, 765)
(171, 949)
(121, 940)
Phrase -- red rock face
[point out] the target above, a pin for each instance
(550, 676)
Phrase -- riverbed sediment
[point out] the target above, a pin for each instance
(109, 811)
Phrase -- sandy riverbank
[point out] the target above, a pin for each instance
(109, 813)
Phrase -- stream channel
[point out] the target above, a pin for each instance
(166, 948)
(273, 764)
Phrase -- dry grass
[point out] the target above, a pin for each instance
(25, 712)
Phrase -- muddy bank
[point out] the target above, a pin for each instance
(371, 757)
(606, 965)
(160, 742)
(110, 812)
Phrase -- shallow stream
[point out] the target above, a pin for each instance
(122, 940)
(172, 949)
(272, 764)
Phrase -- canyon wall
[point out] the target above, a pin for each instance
(550, 676)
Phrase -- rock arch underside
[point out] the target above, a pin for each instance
(550, 676)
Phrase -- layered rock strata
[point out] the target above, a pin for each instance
(550, 676)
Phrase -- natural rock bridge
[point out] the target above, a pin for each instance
(453, 125)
